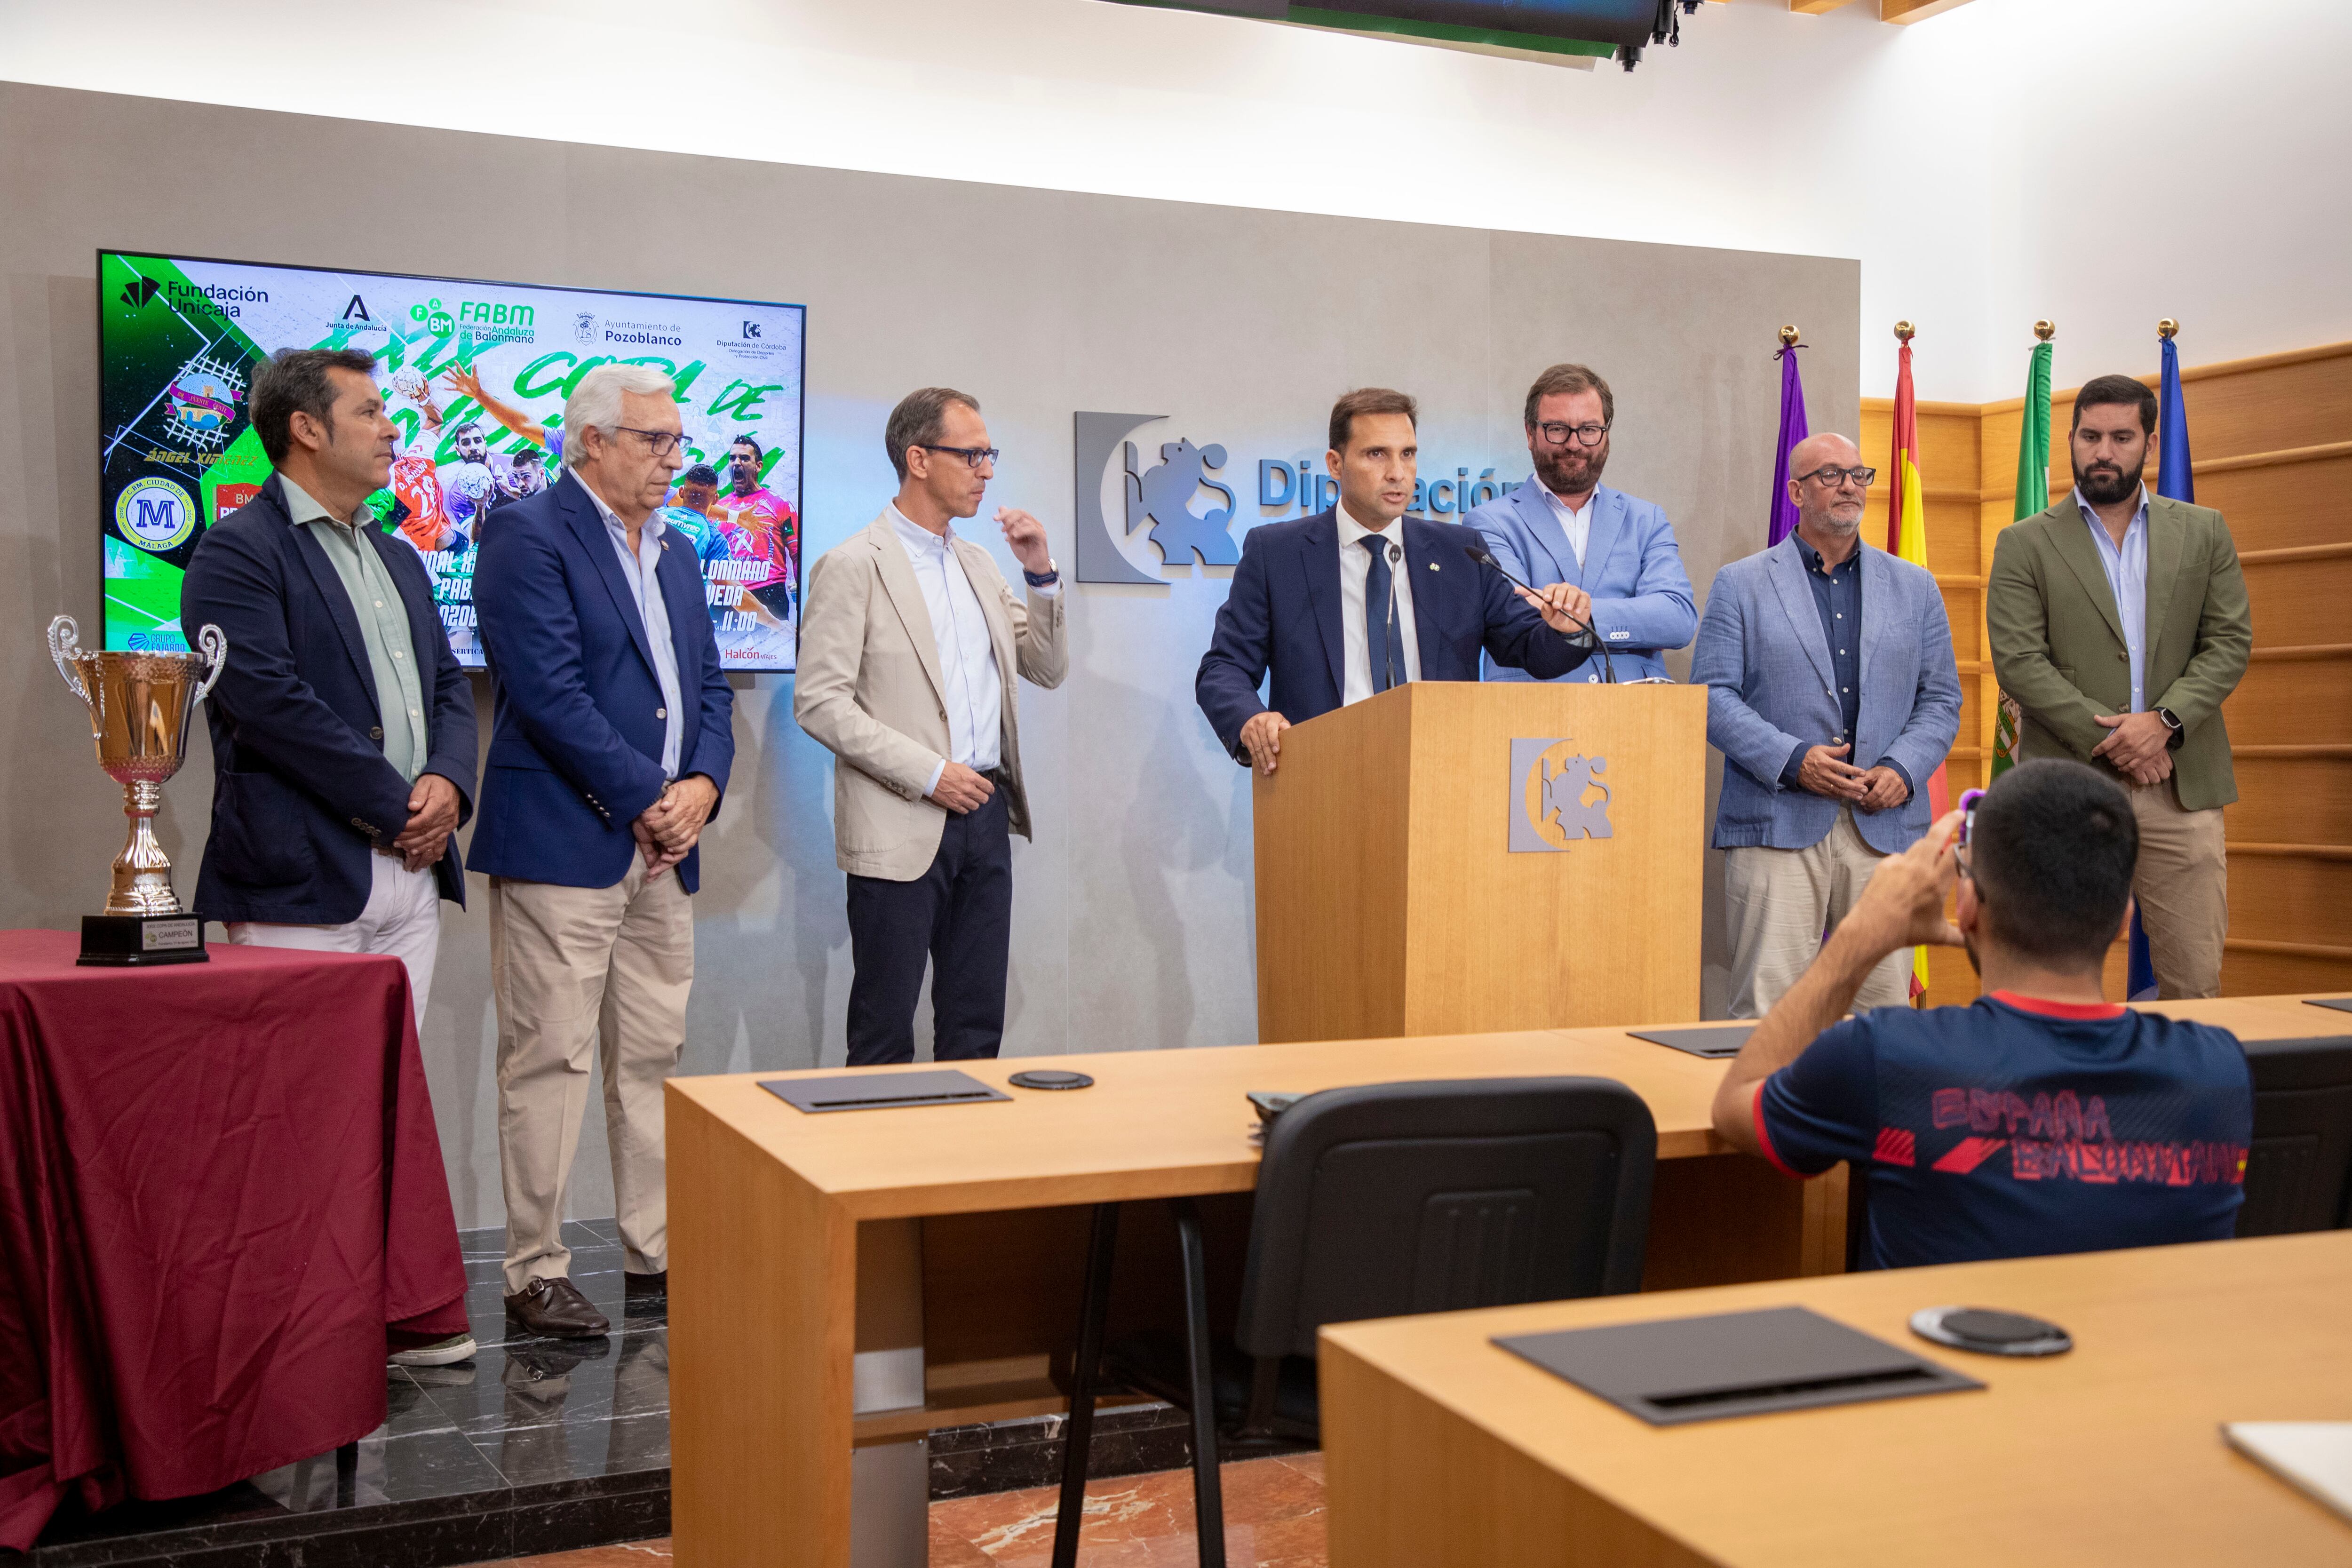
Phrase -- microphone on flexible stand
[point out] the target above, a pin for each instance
(1482, 557)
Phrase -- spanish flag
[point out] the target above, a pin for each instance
(1906, 538)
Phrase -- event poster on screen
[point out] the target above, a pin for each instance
(475, 376)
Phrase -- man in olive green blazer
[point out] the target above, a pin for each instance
(2119, 627)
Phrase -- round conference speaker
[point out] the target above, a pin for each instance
(1991, 1333)
(1050, 1078)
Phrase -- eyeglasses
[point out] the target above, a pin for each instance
(663, 442)
(1970, 800)
(1557, 432)
(1831, 479)
(975, 456)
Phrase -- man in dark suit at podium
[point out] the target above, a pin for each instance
(1318, 603)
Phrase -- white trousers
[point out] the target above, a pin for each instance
(403, 918)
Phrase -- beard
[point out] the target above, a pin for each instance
(1571, 471)
(2106, 485)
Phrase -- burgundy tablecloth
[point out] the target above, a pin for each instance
(219, 1184)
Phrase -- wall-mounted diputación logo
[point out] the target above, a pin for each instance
(1552, 787)
(1159, 496)
(1167, 497)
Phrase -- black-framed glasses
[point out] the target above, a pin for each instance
(1557, 431)
(663, 442)
(1831, 479)
(975, 456)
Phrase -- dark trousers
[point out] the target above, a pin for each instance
(958, 915)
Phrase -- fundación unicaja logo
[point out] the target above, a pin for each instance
(139, 290)
(1557, 796)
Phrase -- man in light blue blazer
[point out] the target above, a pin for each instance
(1834, 697)
(1565, 526)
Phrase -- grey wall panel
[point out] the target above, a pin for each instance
(1134, 904)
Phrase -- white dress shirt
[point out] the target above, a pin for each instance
(643, 574)
(975, 686)
(1576, 522)
(1355, 571)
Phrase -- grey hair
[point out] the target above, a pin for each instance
(597, 401)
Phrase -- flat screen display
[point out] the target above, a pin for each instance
(475, 375)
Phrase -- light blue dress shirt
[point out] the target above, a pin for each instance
(2127, 566)
(642, 572)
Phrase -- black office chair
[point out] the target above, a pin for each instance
(1376, 1202)
(2299, 1167)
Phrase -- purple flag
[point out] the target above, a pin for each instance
(1792, 430)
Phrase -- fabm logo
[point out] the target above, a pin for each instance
(1159, 496)
(139, 290)
(1551, 783)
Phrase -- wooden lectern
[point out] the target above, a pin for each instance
(1456, 857)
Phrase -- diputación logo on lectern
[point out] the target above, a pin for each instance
(1557, 795)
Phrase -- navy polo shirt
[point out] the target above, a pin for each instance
(2016, 1128)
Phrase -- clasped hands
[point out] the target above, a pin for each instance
(2138, 746)
(1826, 772)
(432, 816)
(666, 830)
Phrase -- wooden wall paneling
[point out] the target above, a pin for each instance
(2281, 500)
(2302, 898)
(2293, 700)
(2248, 970)
(2300, 597)
(2290, 799)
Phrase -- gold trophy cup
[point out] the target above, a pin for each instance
(140, 705)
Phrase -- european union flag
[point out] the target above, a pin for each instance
(2176, 482)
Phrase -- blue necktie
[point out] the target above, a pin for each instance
(1382, 639)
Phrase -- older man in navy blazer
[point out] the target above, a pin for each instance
(1346, 604)
(1565, 526)
(1833, 698)
(610, 750)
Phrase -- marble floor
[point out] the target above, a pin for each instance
(1274, 1519)
(532, 1440)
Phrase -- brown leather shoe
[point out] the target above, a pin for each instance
(557, 1309)
(645, 1284)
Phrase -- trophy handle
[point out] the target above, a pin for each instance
(65, 644)
(215, 649)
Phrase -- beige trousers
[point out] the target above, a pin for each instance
(2182, 883)
(1779, 901)
(574, 968)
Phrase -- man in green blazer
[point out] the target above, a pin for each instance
(2119, 627)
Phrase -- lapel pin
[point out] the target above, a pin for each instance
(1432, 566)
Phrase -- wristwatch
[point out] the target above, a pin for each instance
(1046, 579)
(2172, 722)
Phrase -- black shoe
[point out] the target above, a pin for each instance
(636, 1285)
(557, 1309)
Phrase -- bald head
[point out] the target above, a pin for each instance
(1830, 510)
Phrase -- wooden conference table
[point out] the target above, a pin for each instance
(856, 1280)
(1441, 1450)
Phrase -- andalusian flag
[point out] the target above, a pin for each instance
(2033, 499)
(1906, 538)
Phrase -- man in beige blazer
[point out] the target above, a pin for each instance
(910, 641)
(2119, 626)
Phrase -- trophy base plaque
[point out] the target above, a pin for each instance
(127, 941)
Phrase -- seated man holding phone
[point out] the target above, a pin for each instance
(2039, 1118)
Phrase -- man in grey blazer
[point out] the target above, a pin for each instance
(1833, 695)
(909, 642)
